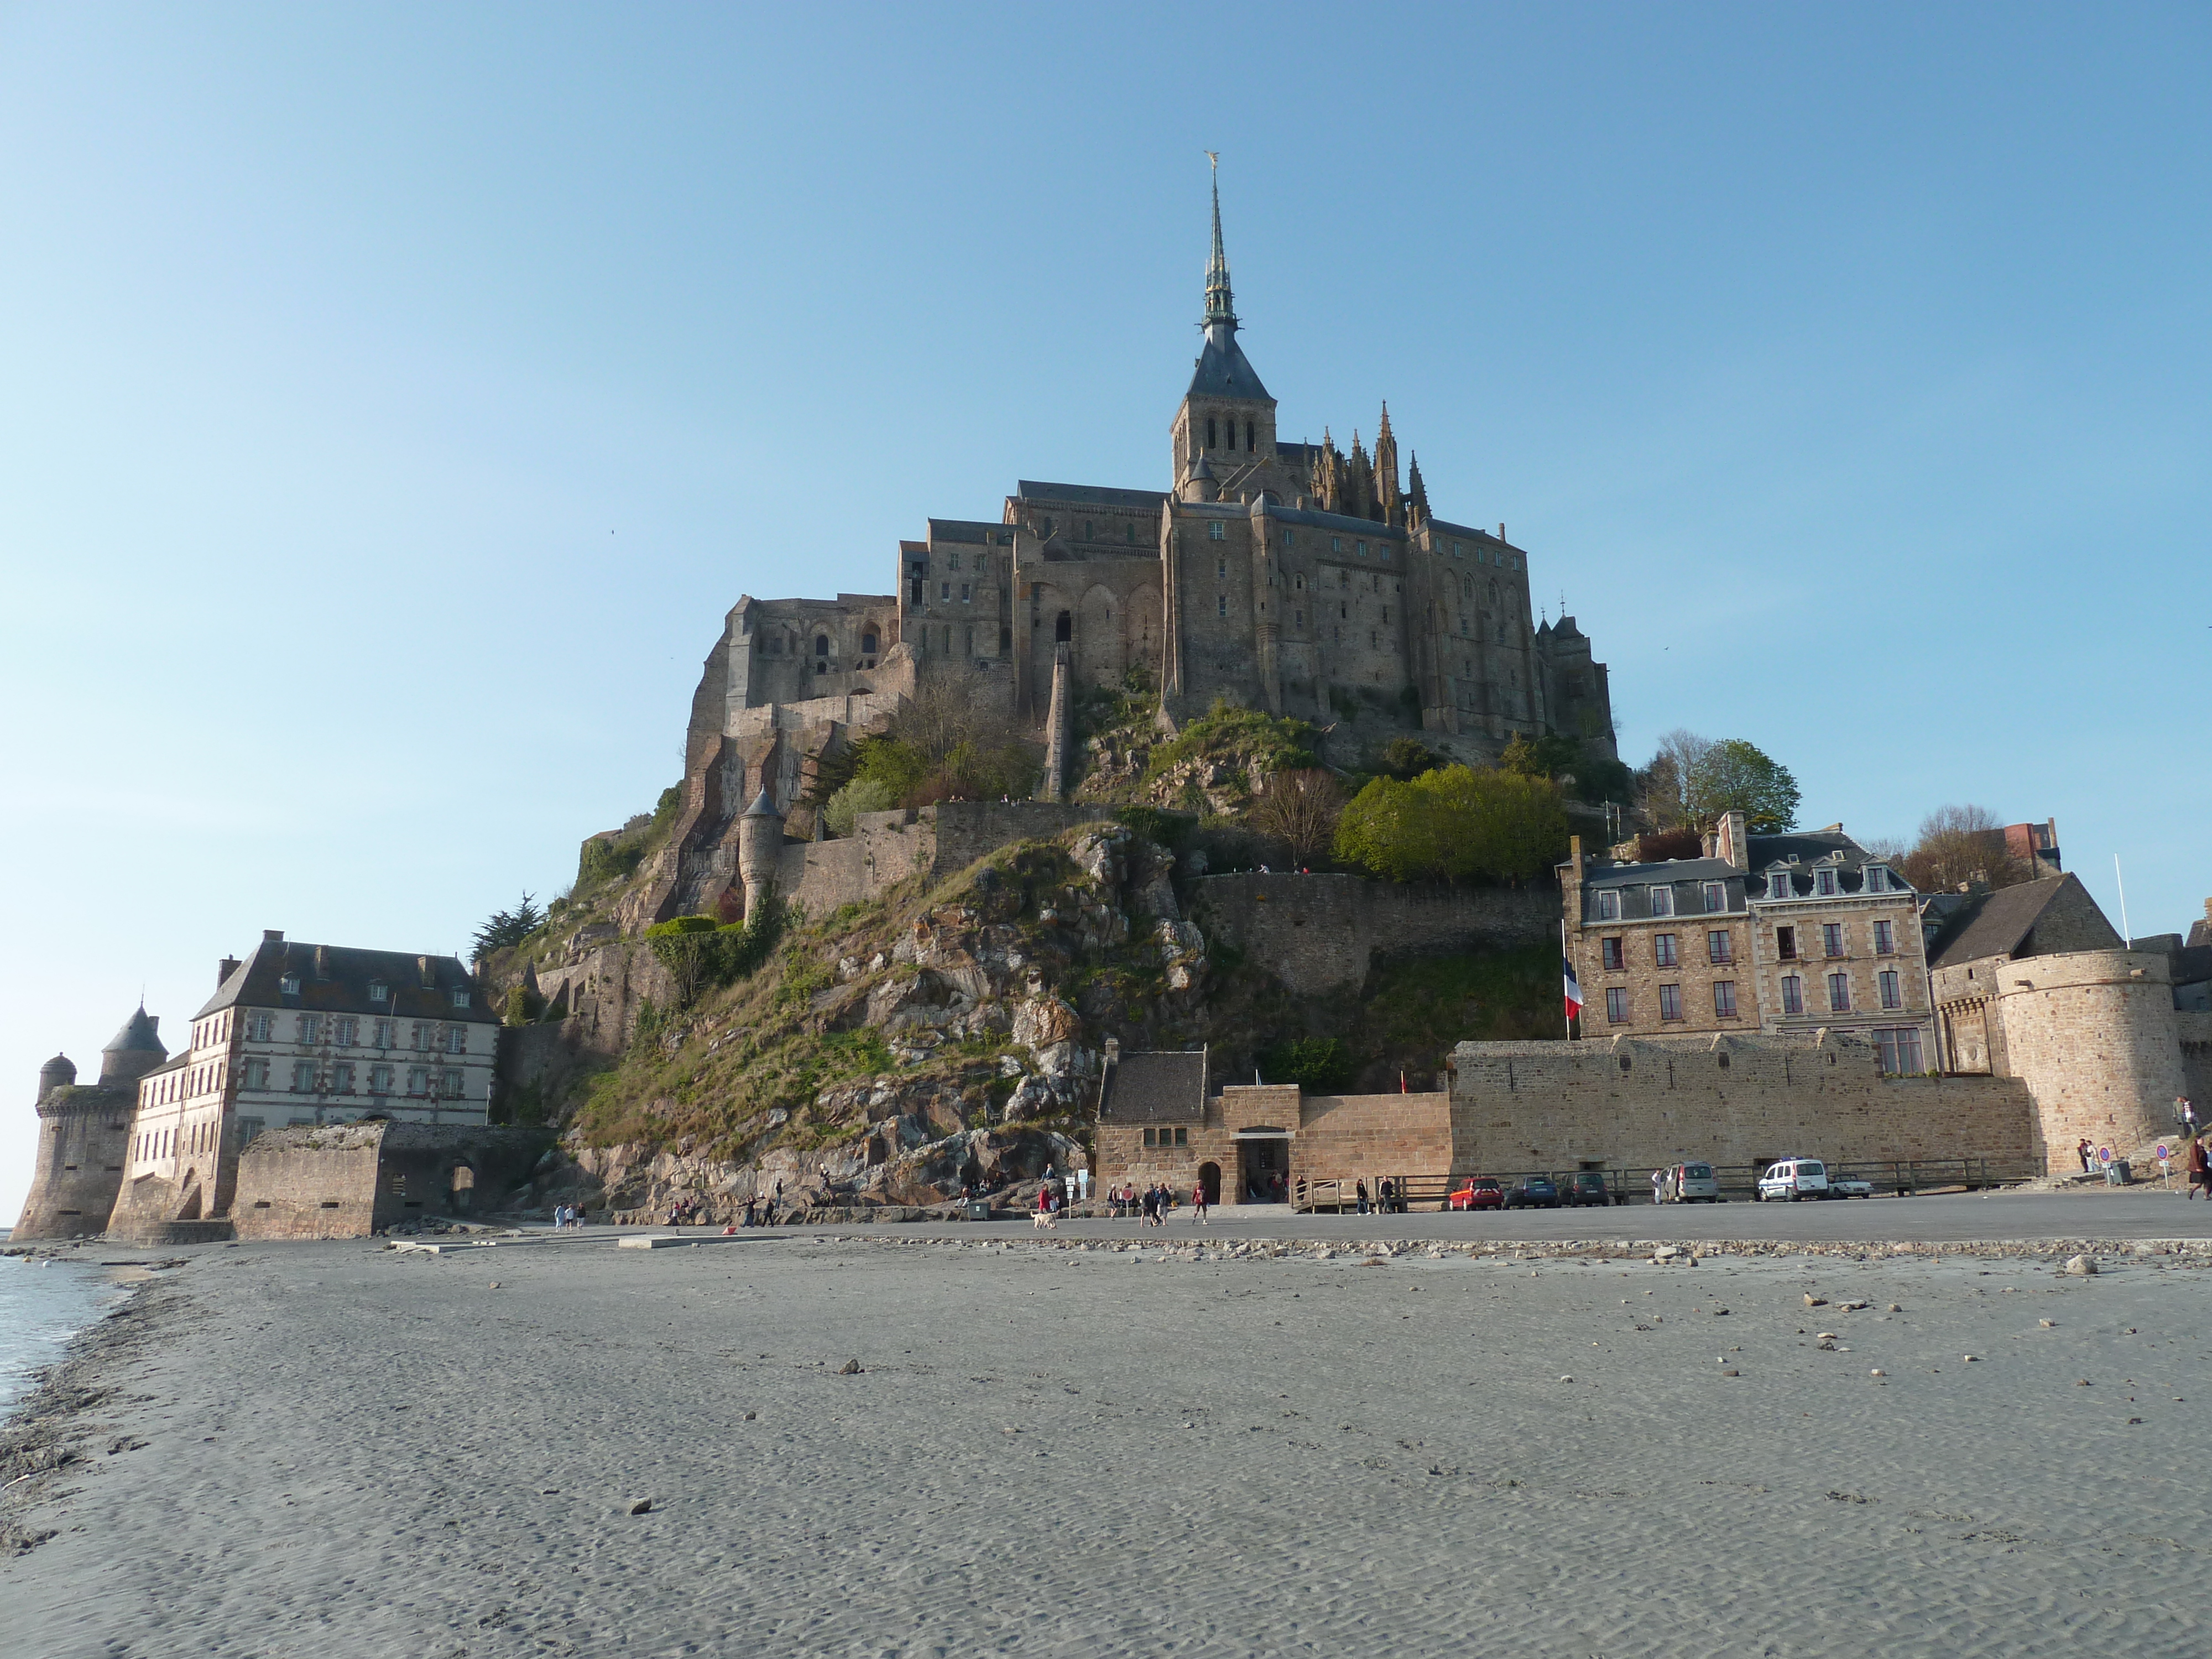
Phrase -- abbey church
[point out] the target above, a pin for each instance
(1295, 578)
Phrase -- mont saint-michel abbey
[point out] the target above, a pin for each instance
(1296, 578)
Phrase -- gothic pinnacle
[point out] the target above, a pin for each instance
(1220, 303)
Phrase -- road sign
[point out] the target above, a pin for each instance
(2162, 1153)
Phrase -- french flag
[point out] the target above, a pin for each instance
(1574, 987)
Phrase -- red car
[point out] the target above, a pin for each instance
(1481, 1193)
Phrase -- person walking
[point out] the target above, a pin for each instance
(2081, 1151)
(1042, 1221)
(2200, 1167)
(1360, 1189)
(1197, 1203)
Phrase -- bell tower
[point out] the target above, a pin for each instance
(1224, 432)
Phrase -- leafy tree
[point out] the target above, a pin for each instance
(1407, 758)
(1455, 824)
(1735, 776)
(509, 928)
(1569, 760)
(699, 952)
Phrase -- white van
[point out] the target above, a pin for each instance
(1794, 1178)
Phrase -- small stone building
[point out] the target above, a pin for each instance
(84, 1135)
(350, 1180)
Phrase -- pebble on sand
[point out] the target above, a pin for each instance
(1812, 1301)
(2080, 1266)
(2048, 1324)
(643, 1506)
(1877, 1372)
(850, 1368)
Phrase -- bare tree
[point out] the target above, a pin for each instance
(1301, 809)
(1961, 846)
(1663, 785)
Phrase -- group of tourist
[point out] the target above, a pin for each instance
(1151, 1207)
(566, 1216)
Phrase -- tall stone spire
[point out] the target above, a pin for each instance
(1220, 303)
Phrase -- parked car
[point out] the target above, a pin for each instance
(1793, 1178)
(1586, 1186)
(1848, 1186)
(1533, 1192)
(1481, 1193)
(1693, 1183)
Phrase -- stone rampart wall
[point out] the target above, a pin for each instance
(348, 1180)
(1637, 1103)
(1322, 933)
(2093, 1035)
(84, 1137)
(2194, 1031)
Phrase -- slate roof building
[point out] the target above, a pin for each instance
(1797, 931)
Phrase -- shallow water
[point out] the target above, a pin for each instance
(42, 1305)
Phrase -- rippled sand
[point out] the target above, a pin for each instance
(349, 1451)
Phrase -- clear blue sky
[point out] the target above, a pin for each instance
(395, 397)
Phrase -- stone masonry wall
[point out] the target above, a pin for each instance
(1322, 934)
(84, 1133)
(308, 1183)
(2093, 1035)
(1637, 1103)
(2194, 1029)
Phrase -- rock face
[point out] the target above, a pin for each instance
(990, 1003)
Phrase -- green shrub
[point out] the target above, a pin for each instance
(1321, 1065)
(1455, 824)
(699, 952)
(607, 858)
(861, 795)
(1244, 736)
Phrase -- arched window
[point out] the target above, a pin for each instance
(868, 644)
(1232, 434)
(1063, 629)
(1209, 432)
(1251, 443)
(821, 645)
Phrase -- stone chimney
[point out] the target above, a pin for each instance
(272, 936)
(322, 961)
(1732, 841)
(224, 970)
(428, 979)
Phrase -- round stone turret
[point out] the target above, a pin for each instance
(133, 1051)
(57, 1073)
(760, 846)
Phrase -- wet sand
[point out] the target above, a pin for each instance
(339, 1450)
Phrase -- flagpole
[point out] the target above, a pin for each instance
(1566, 1017)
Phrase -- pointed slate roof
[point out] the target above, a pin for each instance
(2001, 922)
(763, 807)
(138, 1036)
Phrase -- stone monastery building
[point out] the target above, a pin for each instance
(1291, 577)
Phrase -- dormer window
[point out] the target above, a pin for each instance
(289, 985)
(1824, 883)
(1662, 901)
(379, 991)
(1715, 897)
(1778, 884)
(1608, 904)
(460, 996)
(1877, 879)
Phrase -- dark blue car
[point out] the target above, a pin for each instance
(1533, 1192)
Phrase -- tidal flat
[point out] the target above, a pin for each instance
(818, 1446)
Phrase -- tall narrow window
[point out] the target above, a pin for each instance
(303, 1076)
(1662, 950)
(1724, 998)
(1616, 1005)
(1777, 884)
(1839, 993)
(1715, 897)
(1892, 990)
(1719, 947)
(1824, 883)
(1662, 901)
(1785, 944)
(1209, 432)
(1232, 436)
(1793, 994)
(1608, 904)
(1884, 938)
(1251, 441)
(1612, 954)
(1831, 938)
(1670, 1002)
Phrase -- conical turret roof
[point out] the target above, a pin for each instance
(139, 1035)
(763, 807)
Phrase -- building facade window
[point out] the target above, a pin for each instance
(384, 1034)
(1785, 944)
(1217, 532)
(1892, 989)
(1720, 948)
(1793, 994)
(1777, 884)
(311, 1028)
(379, 991)
(457, 1039)
(1715, 897)
(342, 1077)
(1670, 1002)
(344, 1033)
(1662, 950)
(418, 1080)
(1662, 901)
(1884, 938)
(1616, 1003)
(380, 1079)
(258, 1027)
(1900, 1051)
(257, 1073)
(1824, 883)
(1724, 998)
(451, 1086)
(289, 985)
(1839, 993)
(1877, 879)
(1612, 954)
(303, 1076)
(1831, 938)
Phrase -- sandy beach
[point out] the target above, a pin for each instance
(345, 1449)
